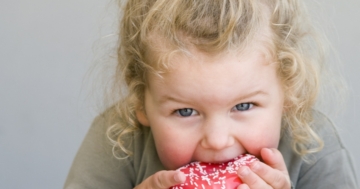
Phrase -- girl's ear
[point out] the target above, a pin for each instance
(142, 118)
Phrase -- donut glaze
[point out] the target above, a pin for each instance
(201, 175)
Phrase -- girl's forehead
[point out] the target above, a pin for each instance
(163, 56)
(201, 63)
(219, 78)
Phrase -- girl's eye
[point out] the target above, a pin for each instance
(244, 106)
(185, 112)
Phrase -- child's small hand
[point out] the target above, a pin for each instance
(270, 174)
(162, 180)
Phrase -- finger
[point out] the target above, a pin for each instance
(274, 159)
(273, 177)
(243, 186)
(163, 180)
(250, 179)
(166, 179)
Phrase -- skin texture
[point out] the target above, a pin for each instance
(212, 108)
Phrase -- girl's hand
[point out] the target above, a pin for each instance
(162, 180)
(270, 174)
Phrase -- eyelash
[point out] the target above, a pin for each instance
(187, 109)
(188, 114)
(250, 106)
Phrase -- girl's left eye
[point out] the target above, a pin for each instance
(186, 112)
(244, 106)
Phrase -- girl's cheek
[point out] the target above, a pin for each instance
(175, 151)
(173, 159)
(254, 144)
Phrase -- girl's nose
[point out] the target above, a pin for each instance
(217, 135)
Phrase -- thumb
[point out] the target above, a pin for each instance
(162, 180)
(273, 158)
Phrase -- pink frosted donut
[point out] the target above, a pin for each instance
(200, 175)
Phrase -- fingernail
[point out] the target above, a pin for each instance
(180, 178)
(244, 172)
(270, 151)
(255, 166)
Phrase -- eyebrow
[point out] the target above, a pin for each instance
(254, 93)
(166, 98)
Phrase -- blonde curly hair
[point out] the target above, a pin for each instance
(217, 26)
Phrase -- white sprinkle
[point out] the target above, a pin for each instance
(206, 178)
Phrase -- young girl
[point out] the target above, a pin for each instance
(208, 81)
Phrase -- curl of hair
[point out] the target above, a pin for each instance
(215, 26)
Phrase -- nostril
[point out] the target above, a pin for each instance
(217, 141)
(217, 133)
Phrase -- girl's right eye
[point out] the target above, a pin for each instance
(186, 112)
(244, 106)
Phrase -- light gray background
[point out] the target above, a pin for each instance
(46, 50)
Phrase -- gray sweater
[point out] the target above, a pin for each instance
(95, 166)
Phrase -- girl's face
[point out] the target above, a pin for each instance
(214, 108)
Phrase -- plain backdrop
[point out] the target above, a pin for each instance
(46, 51)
